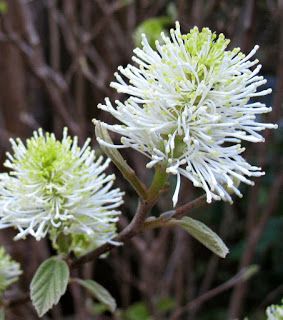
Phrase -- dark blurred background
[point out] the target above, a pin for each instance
(57, 59)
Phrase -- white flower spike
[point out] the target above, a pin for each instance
(275, 312)
(58, 188)
(9, 270)
(189, 108)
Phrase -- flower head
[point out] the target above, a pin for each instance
(9, 270)
(275, 312)
(189, 108)
(56, 187)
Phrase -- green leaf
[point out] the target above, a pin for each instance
(3, 9)
(94, 308)
(204, 235)
(49, 284)
(99, 292)
(137, 311)
(166, 304)
(127, 2)
(152, 28)
(2, 314)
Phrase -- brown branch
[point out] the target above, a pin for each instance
(252, 241)
(139, 224)
(53, 82)
(130, 231)
(165, 218)
(271, 296)
(16, 301)
(188, 207)
(243, 275)
(212, 266)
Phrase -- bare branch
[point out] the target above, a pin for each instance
(243, 275)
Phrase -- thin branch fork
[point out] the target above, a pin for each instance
(165, 218)
(144, 207)
(130, 231)
(138, 225)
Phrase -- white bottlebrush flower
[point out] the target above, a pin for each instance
(9, 270)
(275, 312)
(57, 187)
(189, 108)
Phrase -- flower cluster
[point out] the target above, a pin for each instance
(190, 106)
(9, 270)
(275, 312)
(56, 187)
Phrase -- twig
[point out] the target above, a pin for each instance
(131, 230)
(165, 218)
(188, 207)
(13, 302)
(238, 278)
(271, 296)
(53, 82)
(139, 224)
(252, 241)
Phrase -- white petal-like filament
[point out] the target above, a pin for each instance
(189, 107)
(55, 186)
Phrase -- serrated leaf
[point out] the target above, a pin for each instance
(49, 284)
(204, 235)
(99, 292)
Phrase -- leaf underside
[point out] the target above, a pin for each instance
(99, 292)
(204, 235)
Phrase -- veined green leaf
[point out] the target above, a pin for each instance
(99, 292)
(49, 284)
(204, 235)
